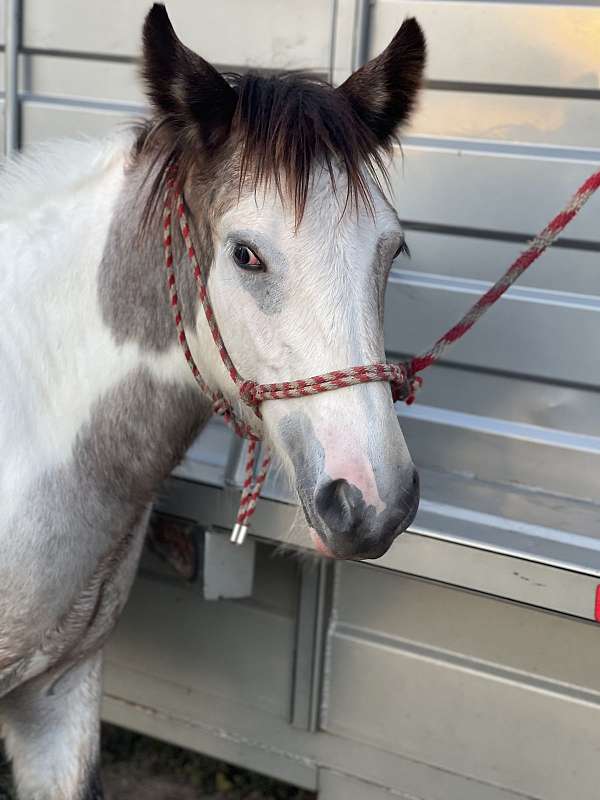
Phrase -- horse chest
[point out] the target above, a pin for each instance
(69, 547)
(85, 623)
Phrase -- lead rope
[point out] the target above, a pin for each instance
(403, 377)
(534, 250)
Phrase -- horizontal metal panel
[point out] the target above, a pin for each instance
(467, 717)
(337, 786)
(375, 602)
(560, 269)
(530, 331)
(43, 120)
(511, 190)
(552, 560)
(510, 398)
(469, 509)
(206, 460)
(2, 129)
(525, 44)
(230, 731)
(253, 658)
(88, 79)
(506, 453)
(473, 563)
(561, 121)
(228, 32)
(221, 727)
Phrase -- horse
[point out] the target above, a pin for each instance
(282, 181)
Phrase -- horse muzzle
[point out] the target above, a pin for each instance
(344, 526)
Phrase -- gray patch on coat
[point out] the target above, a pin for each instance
(307, 455)
(393, 470)
(308, 458)
(132, 288)
(382, 263)
(81, 520)
(268, 289)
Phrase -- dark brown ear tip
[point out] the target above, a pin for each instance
(157, 21)
(410, 34)
(157, 11)
(409, 23)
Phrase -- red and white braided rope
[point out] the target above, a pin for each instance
(403, 378)
(251, 490)
(534, 250)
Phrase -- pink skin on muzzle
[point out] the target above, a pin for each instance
(320, 544)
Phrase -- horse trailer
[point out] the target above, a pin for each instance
(463, 664)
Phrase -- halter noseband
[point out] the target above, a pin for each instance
(402, 377)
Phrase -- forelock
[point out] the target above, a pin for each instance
(284, 129)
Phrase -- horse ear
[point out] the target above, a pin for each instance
(383, 92)
(182, 86)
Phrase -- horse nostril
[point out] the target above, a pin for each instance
(336, 504)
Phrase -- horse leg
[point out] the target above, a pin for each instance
(52, 730)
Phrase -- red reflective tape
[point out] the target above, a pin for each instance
(597, 604)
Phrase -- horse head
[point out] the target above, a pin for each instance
(283, 178)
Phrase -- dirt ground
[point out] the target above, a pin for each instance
(135, 767)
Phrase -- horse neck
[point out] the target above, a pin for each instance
(89, 328)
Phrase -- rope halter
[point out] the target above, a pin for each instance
(402, 377)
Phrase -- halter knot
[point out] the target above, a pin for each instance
(405, 383)
(249, 395)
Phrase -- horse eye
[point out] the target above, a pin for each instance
(402, 249)
(246, 259)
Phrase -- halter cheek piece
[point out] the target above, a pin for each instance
(403, 377)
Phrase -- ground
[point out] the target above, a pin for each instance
(135, 766)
